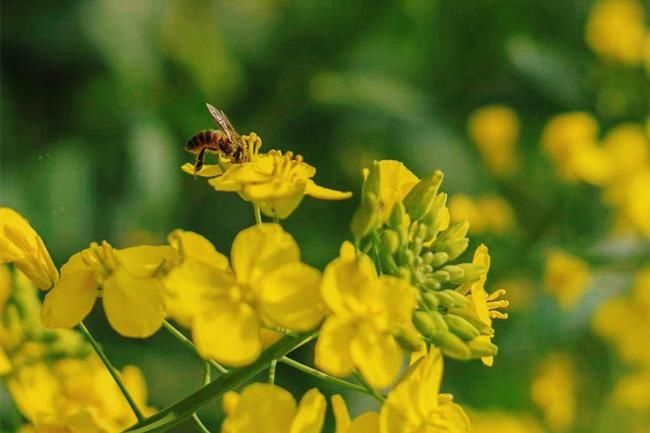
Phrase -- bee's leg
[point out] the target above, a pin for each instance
(198, 165)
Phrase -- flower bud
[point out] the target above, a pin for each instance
(408, 338)
(481, 347)
(453, 241)
(365, 218)
(430, 300)
(451, 345)
(439, 259)
(398, 216)
(456, 273)
(472, 272)
(390, 241)
(442, 276)
(461, 327)
(451, 298)
(421, 198)
(429, 322)
(469, 315)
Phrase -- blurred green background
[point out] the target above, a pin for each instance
(99, 97)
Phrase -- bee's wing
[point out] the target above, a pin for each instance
(222, 120)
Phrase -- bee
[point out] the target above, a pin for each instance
(225, 142)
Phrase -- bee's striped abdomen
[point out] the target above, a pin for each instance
(209, 138)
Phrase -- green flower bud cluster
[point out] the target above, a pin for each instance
(417, 243)
(25, 339)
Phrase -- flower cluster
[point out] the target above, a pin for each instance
(394, 294)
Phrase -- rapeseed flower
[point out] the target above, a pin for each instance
(486, 306)
(616, 30)
(367, 422)
(183, 295)
(554, 391)
(489, 213)
(267, 285)
(495, 130)
(566, 277)
(395, 182)
(22, 246)
(267, 408)
(366, 313)
(132, 294)
(415, 404)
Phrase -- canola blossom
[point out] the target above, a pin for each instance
(396, 291)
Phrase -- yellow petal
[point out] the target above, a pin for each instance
(377, 356)
(134, 306)
(341, 414)
(365, 423)
(258, 250)
(322, 193)
(395, 182)
(5, 364)
(145, 260)
(311, 413)
(73, 296)
(263, 408)
(208, 170)
(456, 417)
(344, 280)
(228, 332)
(333, 347)
(393, 297)
(193, 245)
(290, 297)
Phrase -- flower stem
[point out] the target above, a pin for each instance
(272, 368)
(323, 376)
(200, 424)
(187, 343)
(258, 215)
(207, 374)
(112, 370)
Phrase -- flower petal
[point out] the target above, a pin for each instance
(193, 245)
(341, 414)
(145, 260)
(208, 170)
(262, 408)
(228, 332)
(344, 280)
(322, 193)
(290, 297)
(377, 356)
(258, 250)
(73, 296)
(311, 413)
(333, 347)
(365, 423)
(134, 306)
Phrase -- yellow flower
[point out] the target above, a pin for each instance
(132, 295)
(415, 405)
(275, 182)
(183, 296)
(486, 305)
(571, 139)
(490, 213)
(367, 422)
(616, 30)
(566, 278)
(395, 182)
(632, 391)
(21, 245)
(268, 285)
(366, 311)
(495, 130)
(553, 391)
(267, 408)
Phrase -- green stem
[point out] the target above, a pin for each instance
(258, 215)
(200, 424)
(187, 343)
(207, 374)
(183, 409)
(323, 376)
(112, 370)
(272, 368)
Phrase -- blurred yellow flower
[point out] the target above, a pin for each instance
(132, 295)
(553, 390)
(367, 422)
(183, 295)
(486, 306)
(489, 213)
(503, 422)
(571, 140)
(566, 278)
(366, 311)
(624, 321)
(632, 391)
(267, 408)
(495, 131)
(276, 182)
(416, 405)
(22, 246)
(616, 30)
(268, 285)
